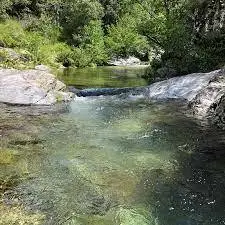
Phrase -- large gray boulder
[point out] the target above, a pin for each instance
(204, 93)
(31, 87)
(210, 101)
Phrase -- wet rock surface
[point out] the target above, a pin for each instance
(31, 87)
(209, 103)
(218, 115)
(204, 93)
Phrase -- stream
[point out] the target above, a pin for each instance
(110, 160)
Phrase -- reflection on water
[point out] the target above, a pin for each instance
(110, 161)
(104, 77)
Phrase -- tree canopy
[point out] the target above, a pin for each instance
(177, 36)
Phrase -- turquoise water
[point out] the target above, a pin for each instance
(110, 160)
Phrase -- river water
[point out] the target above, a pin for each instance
(112, 160)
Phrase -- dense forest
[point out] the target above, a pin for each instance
(175, 36)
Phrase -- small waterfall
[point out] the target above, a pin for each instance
(184, 87)
(107, 91)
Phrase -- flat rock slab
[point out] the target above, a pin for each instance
(31, 87)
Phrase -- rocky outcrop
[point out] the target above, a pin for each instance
(210, 101)
(130, 61)
(31, 87)
(10, 54)
(204, 93)
(183, 87)
(42, 67)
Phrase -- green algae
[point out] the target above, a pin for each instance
(8, 156)
(88, 168)
(11, 215)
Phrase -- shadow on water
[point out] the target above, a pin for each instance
(194, 195)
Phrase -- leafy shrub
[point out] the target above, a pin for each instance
(123, 39)
(32, 44)
(49, 54)
(11, 34)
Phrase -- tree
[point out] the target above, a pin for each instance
(74, 15)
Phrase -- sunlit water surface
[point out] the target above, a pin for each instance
(110, 160)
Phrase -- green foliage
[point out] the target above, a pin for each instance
(11, 34)
(74, 15)
(39, 48)
(93, 43)
(49, 53)
(123, 38)
(43, 25)
(91, 51)
(181, 31)
(4, 5)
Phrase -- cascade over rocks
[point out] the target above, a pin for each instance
(204, 93)
(31, 87)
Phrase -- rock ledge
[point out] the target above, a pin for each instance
(31, 87)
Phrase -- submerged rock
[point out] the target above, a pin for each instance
(131, 217)
(18, 215)
(31, 87)
(106, 91)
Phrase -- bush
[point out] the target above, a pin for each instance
(11, 34)
(50, 54)
(38, 48)
(123, 39)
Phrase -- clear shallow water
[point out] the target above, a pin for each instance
(110, 160)
(107, 76)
